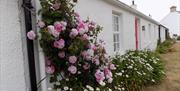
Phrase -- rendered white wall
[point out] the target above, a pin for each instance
(163, 34)
(101, 12)
(172, 21)
(149, 37)
(14, 75)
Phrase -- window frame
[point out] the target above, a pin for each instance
(116, 31)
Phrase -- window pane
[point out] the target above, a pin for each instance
(116, 42)
(115, 23)
(116, 28)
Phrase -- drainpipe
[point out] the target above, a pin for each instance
(30, 48)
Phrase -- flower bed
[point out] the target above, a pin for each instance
(136, 69)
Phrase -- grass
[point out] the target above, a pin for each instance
(172, 67)
(165, 46)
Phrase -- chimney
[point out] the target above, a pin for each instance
(173, 9)
(134, 6)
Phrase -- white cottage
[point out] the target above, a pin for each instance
(126, 28)
(22, 62)
(172, 21)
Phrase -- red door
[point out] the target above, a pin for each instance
(136, 32)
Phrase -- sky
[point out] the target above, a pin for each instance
(158, 9)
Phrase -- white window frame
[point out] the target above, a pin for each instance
(116, 32)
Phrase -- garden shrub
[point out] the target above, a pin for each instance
(75, 59)
(178, 38)
(136, 69)
(165, 46)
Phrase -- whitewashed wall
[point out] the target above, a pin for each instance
(101, 12)
(149, 36)
(172, 21)
(163, 34)
(14, 73)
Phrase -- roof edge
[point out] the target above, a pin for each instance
(132, 10)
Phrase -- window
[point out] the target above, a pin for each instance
(143, 28)
(116, 35)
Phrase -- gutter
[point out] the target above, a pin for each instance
(130, 9)
(30, 48)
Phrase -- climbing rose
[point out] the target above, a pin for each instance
(72, 69)
(99, 76)
(73, 33)
(81, 31)
(72, 59)
(112, 66)
(85, 37)
(31, 35)
(50, 69)
(107, 73)
(52, 31)
(58, 26)
(59, 44)
(40, 24)
(61, 54)
(90, 52)
(64, 24)
(91, 25)
(96, 61)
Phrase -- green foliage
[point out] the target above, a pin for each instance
(136, 69)
(178, 38)
(165, 46)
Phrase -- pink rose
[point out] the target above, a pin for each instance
(50, 69)
(84, 54)
(73, 33)
(31, 35)
(40, 24)
(86, 28)
(52, 31)
(112, 66)
(99, 76)
(72, 69)
(72, 59)
(92, 46)
(85, 37)
(87, 55)
(61, 54)
(81, 24)
(58, 26)
(64, 24)
(86, 66)
(96, 61)
(107, 73)
(59, 44)
(81, 31)
(91, 25)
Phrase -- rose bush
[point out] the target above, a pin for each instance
(75, 59)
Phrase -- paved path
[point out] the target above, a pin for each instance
(172, 66)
